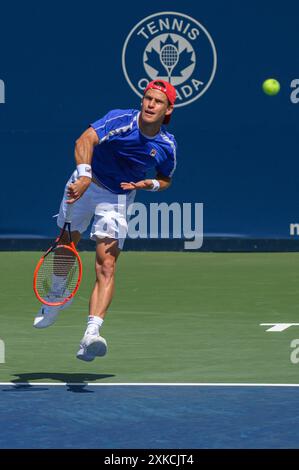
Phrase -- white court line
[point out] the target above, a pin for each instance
(149, 384)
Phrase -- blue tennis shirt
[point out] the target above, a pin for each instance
(124, 154)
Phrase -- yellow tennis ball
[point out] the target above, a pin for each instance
(271, 86)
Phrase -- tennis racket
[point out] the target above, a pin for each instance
(169, 56)
(58, 273)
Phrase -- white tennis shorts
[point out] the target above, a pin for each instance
(109, 212)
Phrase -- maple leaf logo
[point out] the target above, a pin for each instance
(169, 58)
(184, 62)
(153, 60)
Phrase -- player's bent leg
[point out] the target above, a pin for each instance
(92, 344)
(107, 253)
(47, 314)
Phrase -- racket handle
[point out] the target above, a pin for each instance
(68, 213)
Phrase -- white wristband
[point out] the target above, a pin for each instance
(84, 169)
(156, 185)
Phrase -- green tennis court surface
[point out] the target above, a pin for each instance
(176, 317)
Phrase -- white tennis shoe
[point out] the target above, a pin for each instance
(47, 315)
(91, 346)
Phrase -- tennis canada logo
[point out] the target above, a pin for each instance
(174, 47)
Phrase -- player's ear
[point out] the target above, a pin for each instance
(169, 110)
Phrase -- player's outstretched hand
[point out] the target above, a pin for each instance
(77, 189)
(144, 184)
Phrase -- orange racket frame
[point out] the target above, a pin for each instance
(71, 247)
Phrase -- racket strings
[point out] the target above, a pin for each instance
(169, 55)
(58, 275)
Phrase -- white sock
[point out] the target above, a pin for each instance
(93, 325)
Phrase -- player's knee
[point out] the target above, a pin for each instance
(106, 268)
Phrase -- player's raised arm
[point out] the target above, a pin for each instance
(83, 156)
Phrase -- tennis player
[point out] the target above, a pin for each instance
(113, 156)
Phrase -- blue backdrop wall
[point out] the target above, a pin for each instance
(61, 68)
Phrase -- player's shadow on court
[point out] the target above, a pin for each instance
(76, 383)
